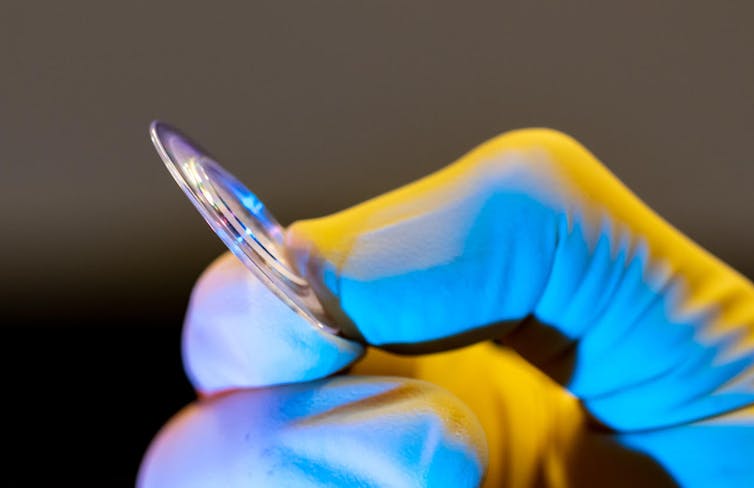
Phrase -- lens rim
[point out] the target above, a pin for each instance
(256, 238)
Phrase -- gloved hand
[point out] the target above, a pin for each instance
(608, 349)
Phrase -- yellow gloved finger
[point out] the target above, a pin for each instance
(530, 239)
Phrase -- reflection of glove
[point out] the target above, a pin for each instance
(527, 240)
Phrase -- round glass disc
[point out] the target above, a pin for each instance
(239, 218)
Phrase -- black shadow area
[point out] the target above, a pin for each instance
(81, 403)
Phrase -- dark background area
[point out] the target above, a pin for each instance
(316, 106)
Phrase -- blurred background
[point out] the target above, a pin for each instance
(315, 106)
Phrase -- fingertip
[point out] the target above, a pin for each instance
(238, 334)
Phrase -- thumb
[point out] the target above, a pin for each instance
(237, 334)
(530, 239)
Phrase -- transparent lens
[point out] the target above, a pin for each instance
(240, 219)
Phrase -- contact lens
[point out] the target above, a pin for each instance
(239, 218)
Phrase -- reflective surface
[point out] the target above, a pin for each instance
(239, 218)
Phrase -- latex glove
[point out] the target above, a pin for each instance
(528, 240)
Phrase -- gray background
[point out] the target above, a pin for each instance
(318, 105)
